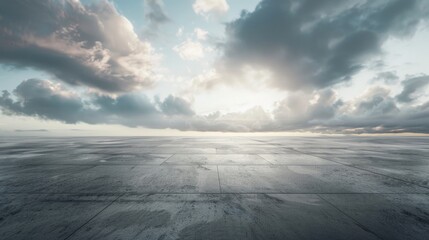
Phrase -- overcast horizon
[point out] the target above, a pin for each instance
(229, 67)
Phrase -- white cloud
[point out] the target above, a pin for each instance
(190, 50)
(206, 7)
(201, 34)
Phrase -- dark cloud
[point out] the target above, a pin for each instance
(91, 45)
(175, 106)
(376, 111)
(47, 100)
(387, 77)
(376, 102)
(412, 87)
(130, 105)
(155, 15)
(314, 44)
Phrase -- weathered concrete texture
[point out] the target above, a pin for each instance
(214, 188)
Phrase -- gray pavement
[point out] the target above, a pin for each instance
(214, 188)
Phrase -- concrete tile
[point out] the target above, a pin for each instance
(47, 217)
(141, 179)
(177, 150)
(221, 217)
(328, 150)
(91, 159)
(308, 179)
(53, 158)
(398, 216)
(377, 159)
(216, 159)
(140, 159)
(295, 159)
(252, 150)
(415, 174)
(32, 179)
(252, 179)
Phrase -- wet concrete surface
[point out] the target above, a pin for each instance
(214, 188)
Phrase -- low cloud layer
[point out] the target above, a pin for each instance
(315, 44)
(376, 111)
(89, 45)
(48, 100)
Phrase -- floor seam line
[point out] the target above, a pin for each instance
(167, 159)
(270, 163)
(208, 193)
(68, 177)
(398, 179)
(89, 220)
(352, 166)
(361, 226)
(362, 169)
(218, 178)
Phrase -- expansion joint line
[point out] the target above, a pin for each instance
(167, 159)
(366, 170)
(348, 216)
(89, 220)
(218, 178)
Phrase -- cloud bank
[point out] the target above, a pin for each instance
(376, 111)
(48, 100)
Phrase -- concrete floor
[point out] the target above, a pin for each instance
(214, 188)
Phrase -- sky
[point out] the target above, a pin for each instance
(203, 67)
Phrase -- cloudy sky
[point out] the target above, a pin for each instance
(165, 67)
